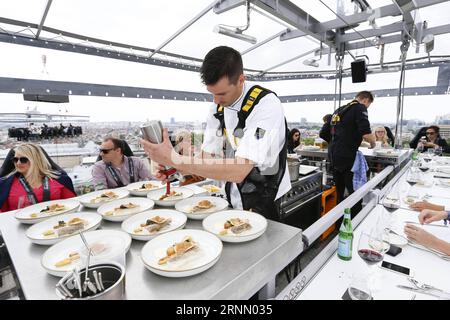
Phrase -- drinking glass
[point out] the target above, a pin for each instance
(22, 202)
(371, 248)
(359, 288)
(412, 177)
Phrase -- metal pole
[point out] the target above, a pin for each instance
(398, 126)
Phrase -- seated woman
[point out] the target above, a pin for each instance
(424, 238)
(294, 140)
(28, 176)
(381, 136)
(433, 140)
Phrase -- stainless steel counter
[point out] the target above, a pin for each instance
(242, 270)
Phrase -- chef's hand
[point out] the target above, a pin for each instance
(162, 153)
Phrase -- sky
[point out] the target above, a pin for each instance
(131, 24)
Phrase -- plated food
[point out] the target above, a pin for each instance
(181, 253)
(177, 250)
(168, 200)
(69, 253)
(119, 210)
(198, 208)
(211, 188)
(142, 188)
(97, 198)
(235, 225)
(44, 210)
(149, 224)
(54, 229)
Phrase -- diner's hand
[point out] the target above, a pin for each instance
(420, 205)
(419, 235)
(162, 153)
(428, 216)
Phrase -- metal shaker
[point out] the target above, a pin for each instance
(152, 131)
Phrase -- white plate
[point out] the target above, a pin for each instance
(86, 199)
(214, 224)
(444, 183)
(129, 225)
(193, 262)
(305, 169)
(156, 194)
(35, 232)
(311, 148)
(386, 152)
(443, 169)
(186, 205)
(144, 205)
(135, 188)
(24, 215)
(118, 243)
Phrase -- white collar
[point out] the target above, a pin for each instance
(236, 106)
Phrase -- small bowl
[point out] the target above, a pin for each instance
(113, 277)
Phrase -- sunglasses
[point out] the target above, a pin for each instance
(106, 151)
(21, 159)
(430, 133)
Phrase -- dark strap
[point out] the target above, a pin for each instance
(116, 177)
(31, 195)
(337, 116)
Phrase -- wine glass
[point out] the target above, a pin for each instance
(371, 248)
(22, 202)
(412, 178)
(359, 288)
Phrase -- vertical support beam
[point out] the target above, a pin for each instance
(44, 16)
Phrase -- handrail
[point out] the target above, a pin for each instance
(394, 180)
(321, 225)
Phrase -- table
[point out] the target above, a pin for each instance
(242, 270)
(335, 276)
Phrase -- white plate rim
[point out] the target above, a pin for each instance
(236, 236)
(124, 215)
(50, 216)
(209, 234)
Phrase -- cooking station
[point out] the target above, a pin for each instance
(300, 207)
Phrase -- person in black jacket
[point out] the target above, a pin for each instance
(345, 131)
(433, 140)
(294, 140)
(415, 141)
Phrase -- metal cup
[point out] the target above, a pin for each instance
(152, 131)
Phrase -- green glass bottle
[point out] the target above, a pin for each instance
(345, 242)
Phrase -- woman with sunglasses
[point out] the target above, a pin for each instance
(433, 140)
(29, 176)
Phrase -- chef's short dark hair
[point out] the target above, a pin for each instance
(365, 95)
(219, 62)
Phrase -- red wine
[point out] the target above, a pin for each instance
(424, 168)
(411, 182)
(370, 256)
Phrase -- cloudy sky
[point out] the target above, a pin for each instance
(150, 23)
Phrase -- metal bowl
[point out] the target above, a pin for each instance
(113, 276)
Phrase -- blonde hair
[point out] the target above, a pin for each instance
(385, 138)
(39, 165)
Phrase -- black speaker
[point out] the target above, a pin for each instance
(359, 71)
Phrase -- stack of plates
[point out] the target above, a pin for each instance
(108, 212)
(36, 232)
(178, 221)
(33, 214)
(215, 224)
(201, 258)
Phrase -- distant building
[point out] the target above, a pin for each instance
(172, 120)
(444, 130)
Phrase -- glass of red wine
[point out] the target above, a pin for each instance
(371, 248)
